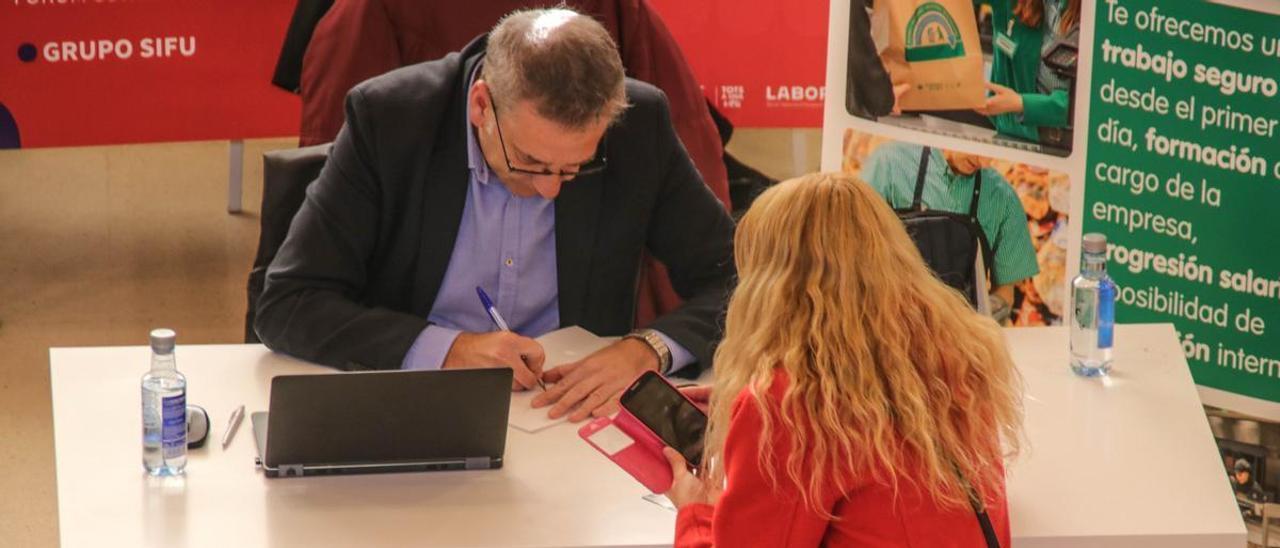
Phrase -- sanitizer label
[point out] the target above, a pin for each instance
(173, 434)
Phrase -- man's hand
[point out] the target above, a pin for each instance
(590, 387)
(524, 356)
(1002, 101)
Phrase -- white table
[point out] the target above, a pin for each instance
(1125, 462)
(1128, 464)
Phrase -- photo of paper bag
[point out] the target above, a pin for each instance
(933, 46)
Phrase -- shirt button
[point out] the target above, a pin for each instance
(510, 262)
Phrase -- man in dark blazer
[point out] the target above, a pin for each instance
(527, 165)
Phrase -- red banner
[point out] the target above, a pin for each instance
(91, 72)
(761, 62)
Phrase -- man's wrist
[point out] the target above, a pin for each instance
(656, 346)
(431, 348)
(649, 361)
(457, 349)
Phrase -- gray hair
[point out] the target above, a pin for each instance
(565, 62)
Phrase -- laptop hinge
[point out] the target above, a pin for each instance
(287, 470)
(478, 463)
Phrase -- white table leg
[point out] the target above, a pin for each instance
(799, 153)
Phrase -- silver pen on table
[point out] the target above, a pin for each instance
(232, 424)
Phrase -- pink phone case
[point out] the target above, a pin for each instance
(632, 446)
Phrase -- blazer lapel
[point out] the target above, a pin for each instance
(577, 214)
(444, 198)
(445, 190)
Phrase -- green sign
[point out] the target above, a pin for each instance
(1183, 176)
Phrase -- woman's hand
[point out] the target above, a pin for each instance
(1003, 100)
(686, 488)
(898, 90)
(699, 395)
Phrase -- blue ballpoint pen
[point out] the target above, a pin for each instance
(498, 321)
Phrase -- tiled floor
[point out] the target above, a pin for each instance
(99, 245)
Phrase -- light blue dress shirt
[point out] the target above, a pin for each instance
(507, 245)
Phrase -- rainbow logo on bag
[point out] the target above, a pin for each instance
(932, 34)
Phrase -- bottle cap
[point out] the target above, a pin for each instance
(1095, 243)
(162, 340)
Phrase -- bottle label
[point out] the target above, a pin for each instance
(173, 434)
(1106, 315)
(1084, 310)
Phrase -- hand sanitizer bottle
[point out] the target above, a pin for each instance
(164, 410)
(1093, 324)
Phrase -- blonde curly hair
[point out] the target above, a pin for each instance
(886, 364)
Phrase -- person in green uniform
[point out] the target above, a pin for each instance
(948, 186)
(1027, 95)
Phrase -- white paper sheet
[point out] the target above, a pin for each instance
(562, 346)
(570, 345)
(660, 500)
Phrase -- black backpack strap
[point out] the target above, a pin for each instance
(979, 510)
(984, 521)
(988, 255)
(977, 190)
(924, 170)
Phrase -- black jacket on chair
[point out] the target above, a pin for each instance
(366, 254)
(306, 15)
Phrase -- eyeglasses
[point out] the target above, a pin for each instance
(593, 166)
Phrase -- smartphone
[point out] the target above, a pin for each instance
(663, 410)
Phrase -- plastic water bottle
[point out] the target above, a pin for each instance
(1093, 324)
(164, 410)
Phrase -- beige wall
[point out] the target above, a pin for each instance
(778, 153)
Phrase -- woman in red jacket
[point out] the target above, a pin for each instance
(858, 399)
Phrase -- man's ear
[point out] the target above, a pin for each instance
(478, 103)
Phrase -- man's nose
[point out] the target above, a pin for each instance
(548, 186)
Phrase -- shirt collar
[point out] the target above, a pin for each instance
(480, 170)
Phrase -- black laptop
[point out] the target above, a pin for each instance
(388, 421)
